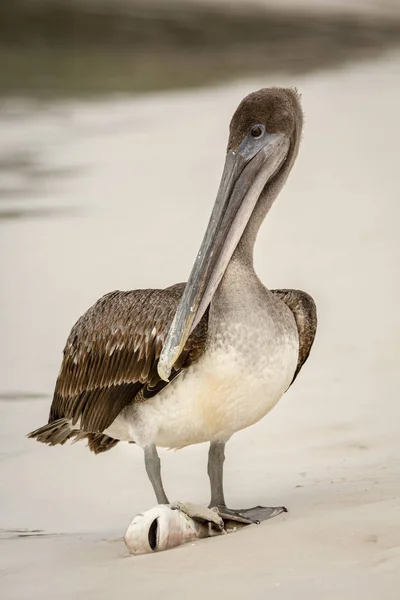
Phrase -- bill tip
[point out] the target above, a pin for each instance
(163, 371)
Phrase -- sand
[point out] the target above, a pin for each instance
(329, 450)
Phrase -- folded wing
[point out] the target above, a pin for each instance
(111, 355)
(305, 314)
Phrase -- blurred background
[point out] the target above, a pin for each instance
(113, 127)
(53, 52)
(78, 48)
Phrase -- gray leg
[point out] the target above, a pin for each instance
(216, 457)
(153, 469)
(215, 469)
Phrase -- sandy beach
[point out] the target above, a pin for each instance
(83, 214)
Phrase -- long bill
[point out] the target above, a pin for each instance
(245, 174)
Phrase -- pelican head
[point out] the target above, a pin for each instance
(264, 136)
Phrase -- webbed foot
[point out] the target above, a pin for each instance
(250, 515)
(200, 514)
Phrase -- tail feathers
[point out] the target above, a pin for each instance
(61, 430)
(98, 442)
(57, 432)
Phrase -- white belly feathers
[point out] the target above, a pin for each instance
(238, 381)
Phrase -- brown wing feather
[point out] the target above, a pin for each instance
(112, 352)
(305, 313)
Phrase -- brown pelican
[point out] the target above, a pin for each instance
(197, 362)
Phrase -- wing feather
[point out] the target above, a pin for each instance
(111, 355)
(305, 313)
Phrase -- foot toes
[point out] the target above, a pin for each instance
(251, 515)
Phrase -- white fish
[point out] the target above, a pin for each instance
(169, 525)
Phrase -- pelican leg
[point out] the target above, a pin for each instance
(153, 469)
(215, 470)
(216, 458)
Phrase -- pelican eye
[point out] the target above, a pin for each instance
(257, 131)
